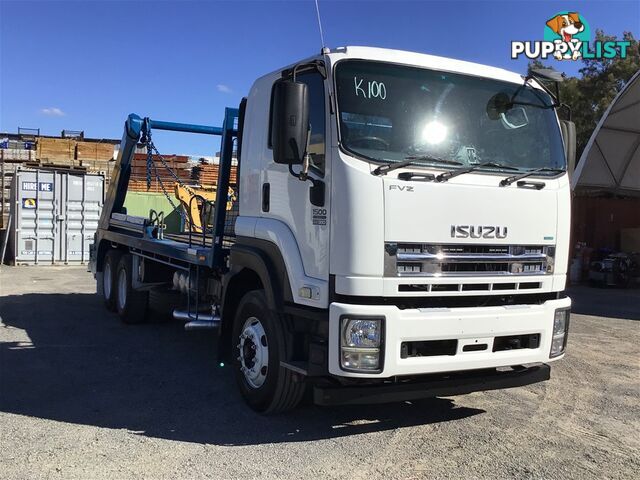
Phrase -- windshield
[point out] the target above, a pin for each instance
(390, 112)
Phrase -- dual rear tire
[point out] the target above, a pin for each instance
(117, 288)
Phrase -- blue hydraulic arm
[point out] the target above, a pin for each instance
(184, 127)
(135, 129)
(122, 170)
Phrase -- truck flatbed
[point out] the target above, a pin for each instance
(142, 235)
(138, 233)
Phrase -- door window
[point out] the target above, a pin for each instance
(315, 90)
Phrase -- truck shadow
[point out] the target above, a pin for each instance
(618, 303)
(65, 358)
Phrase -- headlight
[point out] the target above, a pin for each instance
(361, 333)
(560, 322)
(361, 340)
(560, 332)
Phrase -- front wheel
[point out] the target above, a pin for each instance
(259, 344)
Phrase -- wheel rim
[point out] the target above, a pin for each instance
(253, 352)
(107, 281)
(122, 289)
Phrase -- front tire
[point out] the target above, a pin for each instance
(131, 304)
(259, 343)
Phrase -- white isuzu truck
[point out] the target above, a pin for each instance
(401, 230)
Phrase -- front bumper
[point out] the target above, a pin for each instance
(438, 386)
(468, 326)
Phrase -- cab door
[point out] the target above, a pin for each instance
(289, 197)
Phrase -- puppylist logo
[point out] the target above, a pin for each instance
(567, 36)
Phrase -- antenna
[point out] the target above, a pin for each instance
(320, 25)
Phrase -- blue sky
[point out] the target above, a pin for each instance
(86, 65)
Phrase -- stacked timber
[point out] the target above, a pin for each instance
(95, 156)
(179, 165)
(206, 174)
(69, 152)
(61, 151)
(17, 155)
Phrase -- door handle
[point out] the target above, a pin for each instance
(316, 192)
(266, 197)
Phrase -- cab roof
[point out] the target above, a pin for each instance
(414, 59)
(423, 60)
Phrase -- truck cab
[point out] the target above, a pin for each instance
(456, 274)
(402, 231)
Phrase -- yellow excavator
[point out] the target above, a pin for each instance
(192, 199)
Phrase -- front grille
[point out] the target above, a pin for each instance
(428, 260)
(467, 287)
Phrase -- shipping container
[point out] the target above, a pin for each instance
(54, 216)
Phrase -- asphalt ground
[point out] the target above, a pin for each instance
(84, 396)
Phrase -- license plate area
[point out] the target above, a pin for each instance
(428, 348)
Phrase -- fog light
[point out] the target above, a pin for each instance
(560, 331)
(557, 346)
(360, 360)
(361, 340)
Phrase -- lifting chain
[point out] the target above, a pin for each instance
(151, 165)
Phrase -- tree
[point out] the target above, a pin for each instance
(600, 81)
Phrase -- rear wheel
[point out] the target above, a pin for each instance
(111, 259)
(259, 344)
(131, 304)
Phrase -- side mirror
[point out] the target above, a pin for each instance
(569, 137)
(289, 122)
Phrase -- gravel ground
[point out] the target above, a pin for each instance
(83, 396)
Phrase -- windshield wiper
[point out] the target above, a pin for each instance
(514, 178)
(384, 169)
(443, 177)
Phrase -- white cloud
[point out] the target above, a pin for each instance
(223, 88)
(52, 112)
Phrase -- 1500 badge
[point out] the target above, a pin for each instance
(319, 216)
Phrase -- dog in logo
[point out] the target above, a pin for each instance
(566, 26)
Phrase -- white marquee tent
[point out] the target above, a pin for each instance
(611, 159)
